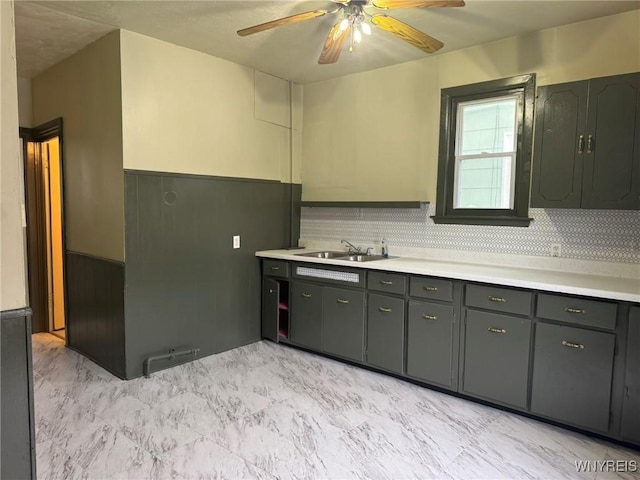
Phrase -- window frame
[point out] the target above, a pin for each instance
(523, 85)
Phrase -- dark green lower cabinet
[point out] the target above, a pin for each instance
(343, 322)
(306, 314)
(385, 332)
(496, 357)
(430, 342)
(631, 403)
(572, 371)
(547, 354)
(270, 308)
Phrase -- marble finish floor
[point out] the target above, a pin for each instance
(268, 411)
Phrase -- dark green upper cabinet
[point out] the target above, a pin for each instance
(587, 142)
(612, 163)
(557, 166)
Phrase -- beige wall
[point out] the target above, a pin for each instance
(374, 135)
(12, 246)
(188, 112)
(25, 114)
(85, 91)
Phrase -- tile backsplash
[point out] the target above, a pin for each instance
(601, 235)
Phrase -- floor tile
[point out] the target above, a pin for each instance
(204, 459)
(160, 428)
(53, 463)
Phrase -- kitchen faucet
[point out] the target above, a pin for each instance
(352, 248)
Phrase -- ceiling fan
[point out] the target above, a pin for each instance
(353, 23)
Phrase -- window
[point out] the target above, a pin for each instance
(485, 153)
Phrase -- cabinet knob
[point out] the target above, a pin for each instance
(497, 299)
(384, 309)
(496, 330)
(271, 290)
(306, 295)
(342, 301)
(429, 317)
(430, 289)
(386, 282)
(572, 345)
(574, 310)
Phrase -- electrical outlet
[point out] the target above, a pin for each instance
(236, 241)
(556, 250)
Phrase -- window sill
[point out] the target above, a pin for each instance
(477, 220)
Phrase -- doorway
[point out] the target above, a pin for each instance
(42, 150)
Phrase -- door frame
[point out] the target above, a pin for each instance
(36, 231)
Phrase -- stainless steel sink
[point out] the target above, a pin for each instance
(328, 254)
(358, 257)
(362, 258)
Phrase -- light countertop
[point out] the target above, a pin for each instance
(599, 286)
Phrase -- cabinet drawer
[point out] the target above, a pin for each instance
(499, 299)
(430, 342)
(496, 357)
(431, 288)
(387, 282)
(572, 372)
(591, 313)
(385, 332)
(276, 268)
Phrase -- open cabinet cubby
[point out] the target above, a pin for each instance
(283, 309)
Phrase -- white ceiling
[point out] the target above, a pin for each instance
(49, 31)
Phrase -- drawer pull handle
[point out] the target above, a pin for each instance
(384, 309)
(306, 295)
(386, 282)
(581, 144)
(429, 317)
(572, 345)
(497, 299)
(275, 268)
(342, 301)
(430, 289)
(496, 330)
(574, 310)
(590, 144)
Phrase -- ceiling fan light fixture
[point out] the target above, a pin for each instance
(355, 22)
(357, 36)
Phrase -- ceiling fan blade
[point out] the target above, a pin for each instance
(389, 4)
(299, 17)
(333, 44)
(407, 33)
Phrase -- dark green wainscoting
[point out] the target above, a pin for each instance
(186, 287)
(18, 425)
(95, 309)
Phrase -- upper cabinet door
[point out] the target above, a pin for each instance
(559, 145)
(612, 151)
(587, 144)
